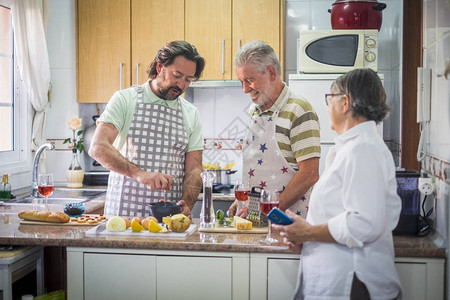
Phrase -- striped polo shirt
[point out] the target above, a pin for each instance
(297, 127)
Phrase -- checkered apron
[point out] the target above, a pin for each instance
(156, 142)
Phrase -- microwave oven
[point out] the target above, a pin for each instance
(337, 51)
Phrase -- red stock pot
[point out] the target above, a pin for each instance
(354, 14)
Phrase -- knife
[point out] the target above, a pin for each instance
(100, 227)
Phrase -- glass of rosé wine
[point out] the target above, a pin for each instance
(46, 187)
(269, 200)
(241, 190)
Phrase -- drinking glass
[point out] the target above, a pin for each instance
(269, 200)
(46, 187)
(241, 191)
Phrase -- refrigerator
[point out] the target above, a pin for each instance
(313, 88)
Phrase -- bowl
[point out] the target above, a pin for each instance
(74, 209)
(163, 209)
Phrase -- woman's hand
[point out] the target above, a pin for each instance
(296, 234)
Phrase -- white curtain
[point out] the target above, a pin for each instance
(32, 57)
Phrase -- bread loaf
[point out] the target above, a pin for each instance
(46, 216)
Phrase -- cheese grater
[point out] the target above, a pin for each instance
(254, 211)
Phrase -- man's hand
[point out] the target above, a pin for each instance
(185, 209)
(241, 213)
(155, 181)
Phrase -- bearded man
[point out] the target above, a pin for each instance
(150, 138)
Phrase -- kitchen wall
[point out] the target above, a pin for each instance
(222, 109)
(436, 56)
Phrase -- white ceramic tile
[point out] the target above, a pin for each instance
(442, 208)
(63, 102)
(204, 101)
(390, 99)
(57, 162)
(429, 22)
(320, 17)
(396, 102)
(231, 112)
(298, 16)
(61, 34)
(386, 45)
(443, 13)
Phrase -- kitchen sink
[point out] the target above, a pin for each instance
(62, 196)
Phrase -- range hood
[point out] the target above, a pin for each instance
(215, 83)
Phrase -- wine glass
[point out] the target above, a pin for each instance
(46, 187)
(241, 191)
(269, 200)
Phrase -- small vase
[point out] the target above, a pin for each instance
(75, 174)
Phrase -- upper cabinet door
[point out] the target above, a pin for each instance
(153, 24)
(208, 28)
(256, 20)
(103, 56)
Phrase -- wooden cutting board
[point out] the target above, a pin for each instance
(70, 223)
(218, 229)
(144, 233)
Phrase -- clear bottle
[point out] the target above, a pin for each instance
(5, 190)
(75, 174)
(207, 218)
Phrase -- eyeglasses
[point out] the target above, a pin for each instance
(328, 97)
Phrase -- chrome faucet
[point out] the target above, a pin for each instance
(34, 182)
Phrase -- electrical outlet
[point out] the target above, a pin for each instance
(426, 185)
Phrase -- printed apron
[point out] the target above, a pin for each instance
(264, 164)
(156, 142)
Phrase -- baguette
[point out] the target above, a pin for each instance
(46, 216)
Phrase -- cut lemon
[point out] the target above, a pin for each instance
(154, 227)
(136, 227)
(164, 229)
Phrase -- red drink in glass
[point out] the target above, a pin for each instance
(266, 207)
(46, 190)
(241, 195)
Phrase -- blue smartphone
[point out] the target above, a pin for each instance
(276, 216)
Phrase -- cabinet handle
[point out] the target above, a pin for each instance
(137, 73)
(223, 56)
(239, 44)
(120, 74)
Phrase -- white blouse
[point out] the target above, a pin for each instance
(357, 196)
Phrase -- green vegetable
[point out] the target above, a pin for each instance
(220, 217)
(219, 214)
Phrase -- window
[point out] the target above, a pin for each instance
(15, 124)
(6, 81)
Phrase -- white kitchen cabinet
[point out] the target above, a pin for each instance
(273, 276)
(105, 273)
(156, 274)
(115, 276)
(421, 278)
(194, 277)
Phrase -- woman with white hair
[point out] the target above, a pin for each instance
(346, 240)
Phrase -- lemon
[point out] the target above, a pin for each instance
(164, 229)
(167, 220)
(116, 224)
(154, 227)
(136, 227)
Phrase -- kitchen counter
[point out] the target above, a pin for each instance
(14, 233)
